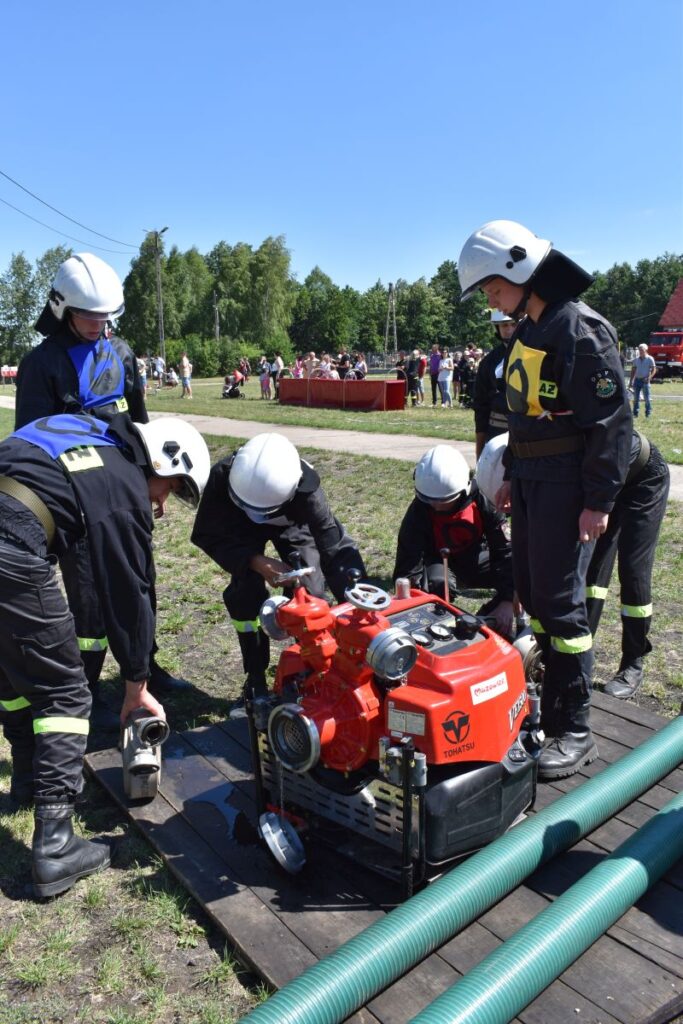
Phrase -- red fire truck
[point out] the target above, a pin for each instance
(665, 345)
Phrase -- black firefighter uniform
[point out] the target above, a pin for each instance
(570, 438)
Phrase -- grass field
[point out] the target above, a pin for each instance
(129, 946)
(665, 427)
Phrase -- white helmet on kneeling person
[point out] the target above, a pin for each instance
(175, 448)
(490, 470)
(264, 476)
(442, 475)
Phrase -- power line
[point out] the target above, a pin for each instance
(57, 231)
(55, 210)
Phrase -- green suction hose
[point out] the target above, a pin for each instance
(510, 977)
(334, 988)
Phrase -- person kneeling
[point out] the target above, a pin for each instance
(450, 517)
(266, 492)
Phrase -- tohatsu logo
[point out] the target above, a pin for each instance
(456, 729)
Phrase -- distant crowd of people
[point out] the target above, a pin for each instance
(451, 375)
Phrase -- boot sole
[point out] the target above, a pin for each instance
(563, 773)
(43, 890)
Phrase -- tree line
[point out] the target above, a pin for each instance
(240, 300)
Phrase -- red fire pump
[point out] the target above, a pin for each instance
(399, 727)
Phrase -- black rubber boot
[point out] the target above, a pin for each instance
(570, 749)
(627, 680)
(60, 858)
(255, 686)
(160, 681)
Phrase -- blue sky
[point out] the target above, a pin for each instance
(375, 136)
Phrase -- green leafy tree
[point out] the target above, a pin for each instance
(466, 321)
(46, 271)
(270, 306)
(139, 323)
(18, 306)
(231, 274)
(372, 316)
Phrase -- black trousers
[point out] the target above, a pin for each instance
(549, 566)
(44, 695)
(84, 604)
(631, 536)
(434, 378)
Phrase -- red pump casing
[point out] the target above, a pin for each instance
(459, 706)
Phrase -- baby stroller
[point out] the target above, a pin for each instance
(233, 384)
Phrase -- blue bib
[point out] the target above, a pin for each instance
(101, 376)
(58, 434)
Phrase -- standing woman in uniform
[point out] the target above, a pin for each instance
(567, 459)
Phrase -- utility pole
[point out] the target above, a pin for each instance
(390, 327)
(216, 319)
(160, 299)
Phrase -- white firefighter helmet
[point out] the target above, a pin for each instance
(499, 317)
(176, 448)
(264, 475)
(442, 475)
(86, 284)
(490, 469)
(501, 248)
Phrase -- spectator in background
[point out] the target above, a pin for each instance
(434, 363)
(445, 377)
(263, 371)
(186, 375)
(458, 370)
(412, 372)
(642, 372)
(421, 370)
(298, 368)
(360, 366)
(276, 368)
(343, 364)
(311, 363)
(142, 373)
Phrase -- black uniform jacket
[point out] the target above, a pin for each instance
(489, 395)
(47, 382)
(231, 539)
(109, 503)
(564, 378)
(421, 537)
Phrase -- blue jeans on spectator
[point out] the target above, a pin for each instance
(641, 384)
(445, 389)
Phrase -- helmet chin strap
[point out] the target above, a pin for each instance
(520, 309)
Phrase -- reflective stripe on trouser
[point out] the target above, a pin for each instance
(549, 569)
(631, 536)
(94, 644)
(40, 663)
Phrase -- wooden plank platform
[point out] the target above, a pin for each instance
(203, 823)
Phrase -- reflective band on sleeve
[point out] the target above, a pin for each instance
(599, 593)
(576, 645)
(636, 611)
(60, 723)
(536, 626)
(88, 643)
(246, 625)
(18, 704)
